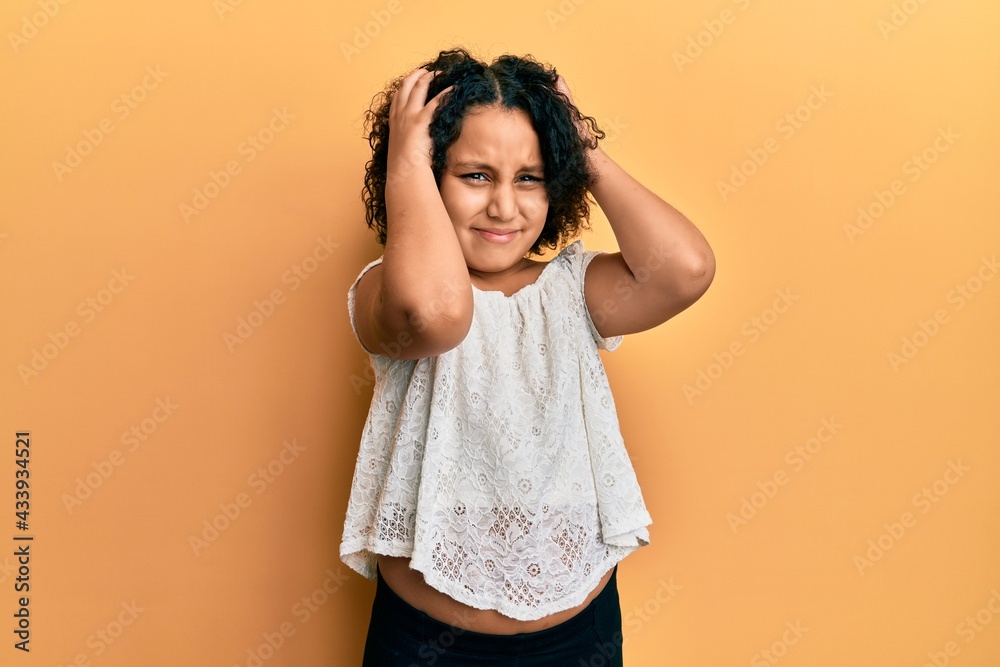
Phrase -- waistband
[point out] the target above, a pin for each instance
(424, 628)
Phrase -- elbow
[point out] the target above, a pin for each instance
(696, 276)
(438, 324)
(702, 271)
(440, 332)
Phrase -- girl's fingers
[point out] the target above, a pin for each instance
(406, 88)
(437, 99)
(421, 79)
(419, 92)
(563, 88)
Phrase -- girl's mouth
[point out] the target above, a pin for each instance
(497, 235)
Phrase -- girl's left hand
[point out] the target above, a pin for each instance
(563, 88)
(581, 126)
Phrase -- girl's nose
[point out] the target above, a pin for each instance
(503, 203)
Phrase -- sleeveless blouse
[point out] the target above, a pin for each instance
(498, 467)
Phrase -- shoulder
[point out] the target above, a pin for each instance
(360, 296)
(360, 288)
(373, 267)
(575, 261)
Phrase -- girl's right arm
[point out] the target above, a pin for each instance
(418, 301)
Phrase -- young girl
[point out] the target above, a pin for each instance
(493, 496)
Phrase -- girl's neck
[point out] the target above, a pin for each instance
(509, 280)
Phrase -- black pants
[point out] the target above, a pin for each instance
(400, 635)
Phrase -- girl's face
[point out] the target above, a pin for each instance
(493, 190)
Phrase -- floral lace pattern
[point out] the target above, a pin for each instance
(498, 467)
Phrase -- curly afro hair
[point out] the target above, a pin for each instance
(512, 82)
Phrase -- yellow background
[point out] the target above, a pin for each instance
(688, 92)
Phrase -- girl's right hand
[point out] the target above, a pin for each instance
(410, 115)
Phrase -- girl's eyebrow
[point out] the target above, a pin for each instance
(486, 167)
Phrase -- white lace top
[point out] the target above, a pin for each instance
(498, 467)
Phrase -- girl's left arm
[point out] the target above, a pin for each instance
(665, 263)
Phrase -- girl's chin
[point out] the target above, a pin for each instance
(494, 262)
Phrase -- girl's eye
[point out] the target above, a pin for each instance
(473, 177)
